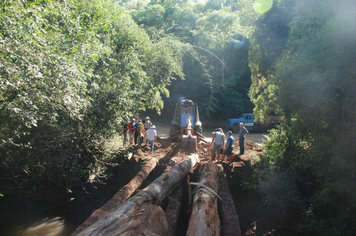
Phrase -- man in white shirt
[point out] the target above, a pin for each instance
(217, 143)
(151, 136)
(147, 125)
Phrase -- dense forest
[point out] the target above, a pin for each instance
(72, 71)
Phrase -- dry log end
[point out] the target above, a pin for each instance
(152, 220)
(147, 220)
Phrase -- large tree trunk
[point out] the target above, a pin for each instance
(229, 219)
(126, 219)
(124, 193)
(204, 219)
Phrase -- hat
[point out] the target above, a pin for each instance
(147, 118)
(229, 132)
(133, 119)
(153, 127)
(241, 123)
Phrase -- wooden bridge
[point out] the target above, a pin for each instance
(212, 208)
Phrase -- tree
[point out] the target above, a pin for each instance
(314, 77)
(210, 62)
(71, 72)
(268, 42)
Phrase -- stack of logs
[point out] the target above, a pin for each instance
(141, 215)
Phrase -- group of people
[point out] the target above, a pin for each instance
(222, 149)
(140, 132)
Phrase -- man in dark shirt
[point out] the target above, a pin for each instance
(132, 130)
(136, 125)
(242, 135)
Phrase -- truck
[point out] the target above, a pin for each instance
(248, 119)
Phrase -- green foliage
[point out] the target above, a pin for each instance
(182, 21)
(70, 73)
(313, 86)
(287, 147)
(152, 16)
(268, 43)
(214, 70)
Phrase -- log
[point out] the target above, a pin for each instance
(146, 220)
(136, 207)
(227, 211)
(204, 219)
(124, 193)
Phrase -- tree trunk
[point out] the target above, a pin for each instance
(124, 193)
(204, 219)
(126, 218)
(229, 219)
(146, 220)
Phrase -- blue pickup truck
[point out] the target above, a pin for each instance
(248, 119)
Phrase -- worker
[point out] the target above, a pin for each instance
(125, 132)
(140, 131)
(147, 125)
(217, 144)
(151, 137)
(136, 125)
(229, 145)
(132, 130)
(242, 135)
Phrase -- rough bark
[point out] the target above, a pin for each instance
(146, 220)
(136, 207)
(227, 211)
(124, 193)
(173, 208)
(204, 219)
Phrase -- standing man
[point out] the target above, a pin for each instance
(242, 135)
(132, 130)
(137, 124)
(140, 131)
(147, 125)
(151, 136)
(217, 143)
(125, 132)
(229, 145)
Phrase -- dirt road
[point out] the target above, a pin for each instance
(163, 131)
